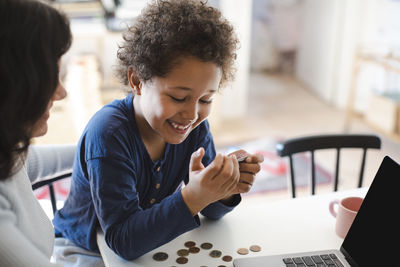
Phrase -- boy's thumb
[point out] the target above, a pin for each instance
(195, 160)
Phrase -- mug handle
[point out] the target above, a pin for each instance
(332, 205)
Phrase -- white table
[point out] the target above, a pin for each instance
(292, 225)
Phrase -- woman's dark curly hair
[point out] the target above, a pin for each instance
(167, 30)
(33, 37)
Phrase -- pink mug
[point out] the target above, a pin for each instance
(347, 209)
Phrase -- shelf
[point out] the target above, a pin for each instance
(391, 64)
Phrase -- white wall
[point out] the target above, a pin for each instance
(233, 100)
(316, 53)
(331, 33)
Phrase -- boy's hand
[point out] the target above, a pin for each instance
(248, 169)
(208, 184)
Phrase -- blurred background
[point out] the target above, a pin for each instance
(304, 67)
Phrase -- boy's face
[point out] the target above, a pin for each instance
(171, 107)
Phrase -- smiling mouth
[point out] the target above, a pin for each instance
(179, 127)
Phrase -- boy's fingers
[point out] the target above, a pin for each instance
(195, 160)
(247, 178)
(254, 158)
(252, 168)
(214, 167)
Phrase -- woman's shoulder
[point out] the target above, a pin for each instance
(11, 187)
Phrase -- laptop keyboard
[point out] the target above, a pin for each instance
(324, 260)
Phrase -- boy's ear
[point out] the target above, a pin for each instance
(134, 82)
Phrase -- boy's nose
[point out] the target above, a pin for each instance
(190, 113)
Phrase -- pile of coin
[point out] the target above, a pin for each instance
(191, 248)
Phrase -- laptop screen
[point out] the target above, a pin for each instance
(373, 239)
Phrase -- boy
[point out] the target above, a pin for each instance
(135, 153)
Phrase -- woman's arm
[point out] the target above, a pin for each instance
(15, 248)
(47, 161)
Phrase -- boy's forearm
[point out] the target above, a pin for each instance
(192, 203)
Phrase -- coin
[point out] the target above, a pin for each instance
(194, 250)
(255, 248)
(227, 258)
(182, 260)
(183, 252)
(215, 253)
(221, 266)
(189, 244)
(206, 245)
(160, 256)
(243, 251)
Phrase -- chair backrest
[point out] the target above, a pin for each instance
(49, 182)
(336, 141)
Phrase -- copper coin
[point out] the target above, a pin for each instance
(243, 251)
(194, 250)
(227, 258)
(215, 253)
(255, 248)
(183, 252)
(182, 260)
(221, 266)
(160, 256)
(189, 244)
(206, 245)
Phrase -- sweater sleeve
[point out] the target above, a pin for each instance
(131, 231)
(15, 248)
(46, 161)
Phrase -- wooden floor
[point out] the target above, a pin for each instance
(279, 107)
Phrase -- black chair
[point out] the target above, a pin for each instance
(336, 141)
(49, 182)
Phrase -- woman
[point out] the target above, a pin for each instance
(33, 37)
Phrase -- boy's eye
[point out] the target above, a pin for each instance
(177, 99)
(206, 101)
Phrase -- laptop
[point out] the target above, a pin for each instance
(372, 240)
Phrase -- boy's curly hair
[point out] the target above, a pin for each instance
(166, 30)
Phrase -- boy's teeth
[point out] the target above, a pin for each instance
(180, 127)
